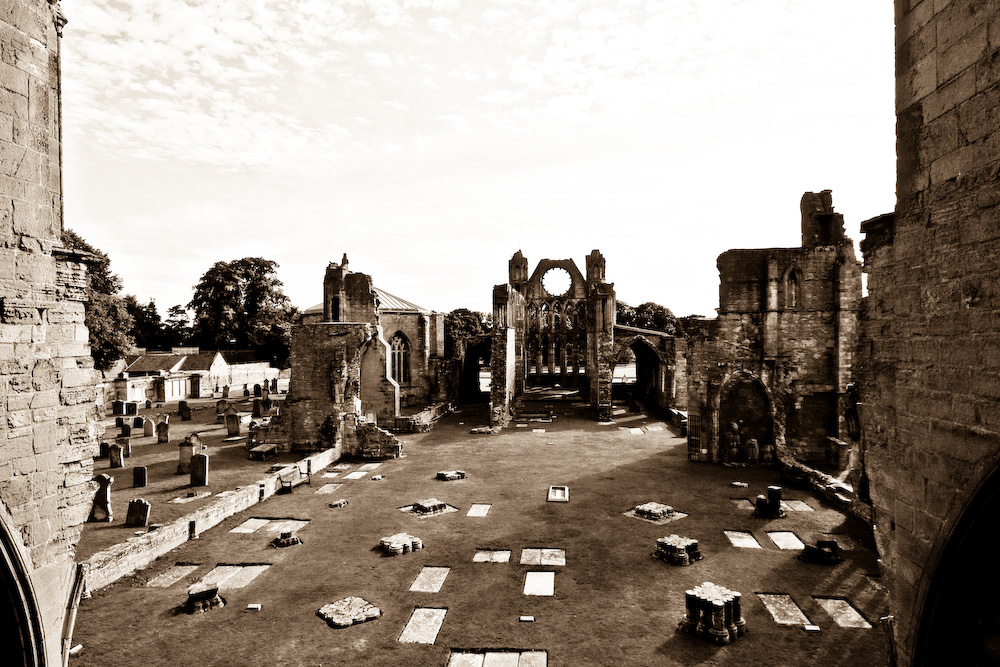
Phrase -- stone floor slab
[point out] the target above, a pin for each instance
(357, 474)
(844, 614)
(328, 488)
(331, 475)
(479, 509)
(635, 430)
(539, 583)
(466, 659)
(171, 576)
(279, 526)
(500, 659)
(558, 494)
(742, 539)
(743, 504)
(250, 526)
(784, 539)
(369, 467)
(491, 556)
(783, 609)
(233, 576)
(795, 505)
(533, 659)
(430, 579)
(423, 626)
(553, 557)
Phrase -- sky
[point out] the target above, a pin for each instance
(430, 140)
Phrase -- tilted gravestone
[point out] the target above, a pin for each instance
(116, 453)
(100, 512)
(138, 513)
(139, 476)
(185, 411)
(162, 432)
(199, 470)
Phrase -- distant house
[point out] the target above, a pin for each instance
(189, 373)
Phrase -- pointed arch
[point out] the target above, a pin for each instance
(21, 631)
(792, 288)
(399, 349)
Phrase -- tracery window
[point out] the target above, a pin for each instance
(400, 351)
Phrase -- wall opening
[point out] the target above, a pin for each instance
(746, 423)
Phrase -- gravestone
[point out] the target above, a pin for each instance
(220, 406)
(225, 391)
(162, 432)
(265, 393)
(137, 422)
(116, 454)
(138, 513)
(266, 404)
(126, 445)
(202, 597)
(274, 385)
(126, 431)
(118, 407)
(119, 422)
(148, 427)
(257, 410)
(103, 454)
(185, 411)
(131, 408)
(139, 477)
(149, 404)
(246, 392)
(199, 470)
(232, 422)
(256, 391)
(186, 448)
(100, 512)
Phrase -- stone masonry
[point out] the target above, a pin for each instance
(929, 352)
(47, 381)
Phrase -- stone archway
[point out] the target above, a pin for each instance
(476, 360)
(643, 386)
(744, 401)
(21, 641)
(960, 621)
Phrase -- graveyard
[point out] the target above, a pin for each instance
(496, 568)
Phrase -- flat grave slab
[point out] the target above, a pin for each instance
(493, 658)
(180, 500)
(558, 494)
(743, 504)
(545, 556)
(522, 426)
(539, 583)
(423, 626)
(784, 539)
(654, 428)
(844, 614)
(783, 609)
(635, 430)
(792, 505)
(250, 525)
(254, 524)
(430, 579)
(330, 475)
(357, 474)
(501, 659)
(538, 430)
(427, 508)
(340, 467)
(491, 556)
(479, 509)
(328, 488)
(742, 539)
(233, 576)
(370, 466)
(171, 576)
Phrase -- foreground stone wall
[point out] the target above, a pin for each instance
(930, 339)
(47, 381)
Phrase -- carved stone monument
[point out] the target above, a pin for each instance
(100, 512)
(116, 453)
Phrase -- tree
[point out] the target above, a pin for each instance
(106, 316)
(177, 328)
(147, 327)
(240, 304)
(648, 315)
(462, 324)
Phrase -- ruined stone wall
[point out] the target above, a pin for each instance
(47, 381)
(930, 340)
(417, 329)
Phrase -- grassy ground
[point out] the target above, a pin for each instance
(613, 603)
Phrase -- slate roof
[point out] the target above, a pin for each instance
(199, 362)
(150, 363)
(386, 300)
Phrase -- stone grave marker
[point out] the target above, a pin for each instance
(137, 422)
(184, 410)
(246, 392)
(100, 512)
(148, 427)
(131, 408)
(149, 404)
(119, 422)
(118, 407)
(104, 453)
(116, 453)
(265, 393)
(256, 391)
(186, 448)
(220, 406)
(162, 432)
(274, 385)
(199, 470)
(126, 445)
(126, 431)
(232, 422)
(139, 476)
(257, 410)
(225, 391)
(138, 513)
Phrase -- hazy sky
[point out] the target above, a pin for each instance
(431, 139)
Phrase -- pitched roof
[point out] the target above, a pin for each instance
(149, 363)
(199, 362)
(386, 301)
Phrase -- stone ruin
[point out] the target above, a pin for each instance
(347, 612)
(400, 543)
(203, 597)
(714, 613)
(677, 550)
(769, 507)
(826, 552)
(429, 507)
(450, 475)
(654, 511)
(286, 539)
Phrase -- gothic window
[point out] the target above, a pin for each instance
(400, 350)
(793, 289)
(545, 316)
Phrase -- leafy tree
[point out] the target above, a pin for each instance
(462, 324)
(106, 316)
(240, 304)
(177, 328)
(147, 328)
(648, 315)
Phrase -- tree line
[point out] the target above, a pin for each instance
(235, 305)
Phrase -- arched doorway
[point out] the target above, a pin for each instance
(744, 416)
(636, 374)
(475, 379)
(20, 629)
(960, 621)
